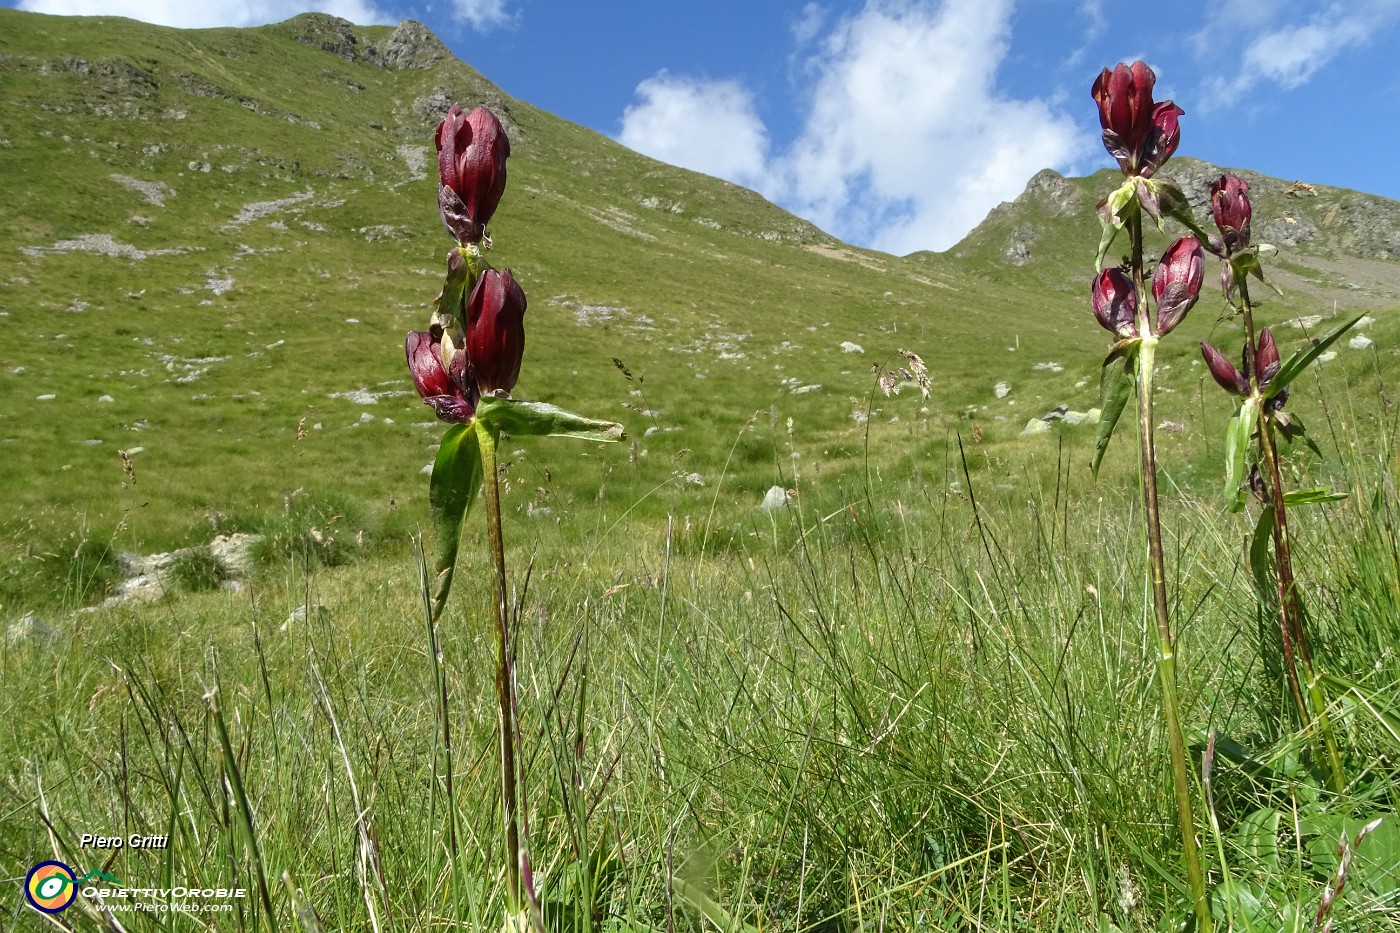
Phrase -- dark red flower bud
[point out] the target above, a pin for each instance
(1137, 132)
(448, 389)
(1229, 203)
(1177, 282)
(1115, 303)
(1266, 361)
(1223, 371)
(472, 151)
(496, 331)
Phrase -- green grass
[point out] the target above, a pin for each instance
(877, 709)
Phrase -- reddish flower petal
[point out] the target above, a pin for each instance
(496, 331)
(1115, 303)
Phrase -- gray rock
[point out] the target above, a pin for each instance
(30, 627)
(775, 498)
(1002, 389)
(1035, 426)
(411, 47)
(235, 552)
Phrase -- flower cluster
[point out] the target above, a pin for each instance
(1175, 287)
(477, 337)
(1263, 367)
(1140, 133)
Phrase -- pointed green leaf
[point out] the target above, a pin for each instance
(1115, 386)
(1237, 436)
(1111, 213)
(1175, 206)
(452, 489)
(537, 419)
(1110, 232)
(1301, 359)
(1308, 496)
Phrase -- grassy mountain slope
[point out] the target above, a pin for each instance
(212, 237)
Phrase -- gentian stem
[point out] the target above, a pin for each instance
(1291, 623)
(1166, 657)
(488, 435)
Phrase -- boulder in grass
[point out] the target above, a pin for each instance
(775, 498)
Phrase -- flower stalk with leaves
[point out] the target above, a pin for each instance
(1262, 383)
(1141, 134)
(465, 366)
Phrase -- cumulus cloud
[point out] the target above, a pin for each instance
(210, 12)
(907, 142)
(704, 125)
(1291, 54)
(483, 15)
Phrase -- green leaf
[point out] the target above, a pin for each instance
(1111, 211)
(1110, 232)
(1308, 496)
(1115, 385)
(1175, 206)
(1257, 835)
(537, 419)
(1301, 359)
(452, 489)
(1377, 857)
(1237, 436)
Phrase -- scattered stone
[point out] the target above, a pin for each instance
(154, 192)
(1359, 342)
(1075, 418)
(1035, 426)
(45, 398)
(775, 498)
(105, 398)
(103, 244)
(804, 390)
(366, 417)
(1049, 367)
(1002, 389)
(695, 479)
(299, 614)
(30, 626)
(1056, 413)
(848, 347)
(234, 553)
(427, 468)
(1326, 357)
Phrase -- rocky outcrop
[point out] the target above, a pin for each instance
(411, 47)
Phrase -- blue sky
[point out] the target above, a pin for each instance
(897, 124)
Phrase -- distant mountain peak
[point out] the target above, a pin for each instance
(410, 47)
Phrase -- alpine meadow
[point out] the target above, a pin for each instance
(1048, 583)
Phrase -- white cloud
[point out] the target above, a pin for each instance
(483, 15)
(210, 12)
(907, 141)
(707, 126)
(1289, 55)
(1292, 56)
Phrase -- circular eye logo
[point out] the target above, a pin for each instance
(50, 887)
